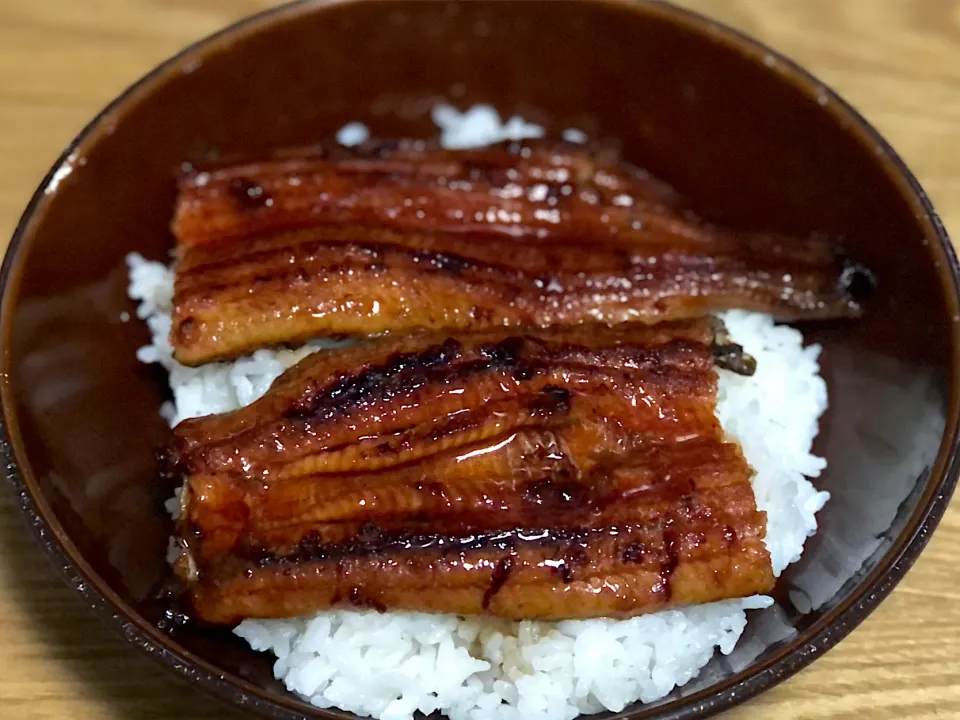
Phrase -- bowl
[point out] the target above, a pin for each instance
(751, 139)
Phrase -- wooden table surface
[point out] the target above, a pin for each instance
(898, 61)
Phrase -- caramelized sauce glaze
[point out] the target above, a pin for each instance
(398, 237)
(569, 472)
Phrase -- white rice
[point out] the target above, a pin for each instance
(353, 133)
(478, 126)
(575, 136)
(393, 664)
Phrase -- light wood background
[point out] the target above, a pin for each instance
(898, 61)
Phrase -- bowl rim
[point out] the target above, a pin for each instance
(822, 635)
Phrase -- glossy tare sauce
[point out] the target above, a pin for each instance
(400, 237)
(559, 473)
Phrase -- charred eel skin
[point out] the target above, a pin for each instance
(559, 473)
(400, 237)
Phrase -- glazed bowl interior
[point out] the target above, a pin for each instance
(747, 137)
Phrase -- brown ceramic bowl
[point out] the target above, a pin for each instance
(749, 137)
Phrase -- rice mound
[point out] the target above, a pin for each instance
(390, 665)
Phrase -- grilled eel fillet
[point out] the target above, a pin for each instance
(559, 473)
(405, 237)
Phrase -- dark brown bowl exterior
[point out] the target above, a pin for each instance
(748, 136)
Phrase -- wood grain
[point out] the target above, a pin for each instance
(898, 61)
